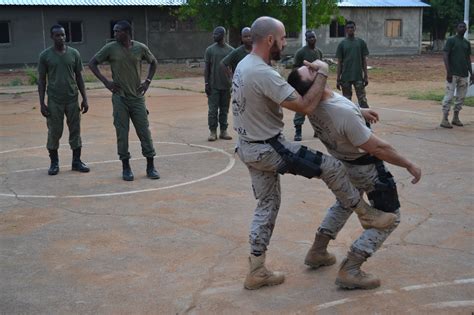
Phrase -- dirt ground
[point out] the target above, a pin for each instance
(94, 244)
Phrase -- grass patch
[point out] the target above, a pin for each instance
(15, 82)
(164, 77)
(437, 96)
(32, 75)
(89, 78)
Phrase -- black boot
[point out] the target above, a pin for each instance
(127, 171)
(77, 164)
(298, 136)
(151, 171)
(54, 167)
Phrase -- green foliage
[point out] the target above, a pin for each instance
(442, 15)
(437, 96)
(89, 78)
(32, 75)
(16, 82)
(235, 14)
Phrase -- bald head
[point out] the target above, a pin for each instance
(245, 31)
(265, 26)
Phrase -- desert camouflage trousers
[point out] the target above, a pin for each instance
(363, 177)
(263, 162)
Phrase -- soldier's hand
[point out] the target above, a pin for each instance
(416, 172)
(143, 87)
(207, 89)
(84, 106)
(366, 81)
(370, 115)
(44, 110)
(449, 78)
(338, 85)
(112, 86)
(318, 65)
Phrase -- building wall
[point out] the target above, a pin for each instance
(370, 26)
(27, 27)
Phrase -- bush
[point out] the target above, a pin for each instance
(32, 75)
(16, 82)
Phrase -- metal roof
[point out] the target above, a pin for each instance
(94, 2)
(382, 4)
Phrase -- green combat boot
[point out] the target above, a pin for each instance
(54, 167)
(318, 255)
(259, 275)
(351, 277)
(372, 218)
(445, 122)
(212, 136)
(456, 120)
(298, 136)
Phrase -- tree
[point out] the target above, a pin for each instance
(441, 17)
(236, 14)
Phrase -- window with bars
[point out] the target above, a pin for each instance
(73, 30)
(336, 29)
(393, 28)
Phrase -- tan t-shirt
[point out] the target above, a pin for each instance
(340, 126)
(257, 92)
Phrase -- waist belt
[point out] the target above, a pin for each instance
(366, 159)
(267, 141)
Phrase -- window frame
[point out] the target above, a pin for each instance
(62, 22)
(338, 29)
(9, 43)
(400, 28)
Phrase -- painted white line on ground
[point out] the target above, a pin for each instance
(41, 147)
(105, 162)
(228, 167)
(449, 304)
(407, 289)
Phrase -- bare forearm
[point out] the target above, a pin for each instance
(364, 63)
(388, 154)
(446, 62)
(41, 90)
(207, 72)
(81, 86)
(339, 69)
(312, 98)
(93, 66)
(152, 70)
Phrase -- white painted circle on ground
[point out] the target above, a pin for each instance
(228, 167)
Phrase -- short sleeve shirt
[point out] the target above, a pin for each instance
(213, 56)
(126, 65)
(459, 50)
(232, 59)
(306, 53)
(257, 92)
(352, 52)
(60, 71)
(340, 126)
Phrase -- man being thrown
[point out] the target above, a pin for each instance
(259, 94)
(341, 126)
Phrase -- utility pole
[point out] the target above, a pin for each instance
(303, 27)
(466, 18)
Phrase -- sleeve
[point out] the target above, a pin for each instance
(354, 127)
(365, 50)
(273, 86)
(207, 55)
(227, 61)
(339, 51)
(147, 54)
(42, 65)
(448, 46)
(103, 54)
(78, 67)
(298, 60)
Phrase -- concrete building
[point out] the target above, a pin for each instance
(24, 27)
(388, 26)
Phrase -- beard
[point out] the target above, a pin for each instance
(275, 52)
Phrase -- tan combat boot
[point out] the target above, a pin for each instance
(318, 255)
(456, 120)
(372, 218)
(259, 275)
(351, 277)
(445, 122)
(224, 135)
(212, 136)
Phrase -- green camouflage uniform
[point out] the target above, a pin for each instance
(62, 91)
(352, 52)
(128, 104)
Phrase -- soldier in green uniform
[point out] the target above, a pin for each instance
(125, 56)
(217, 85)
(60, 66)
(352, 55)
(457, 60)
(234, 57)
(310, 53)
